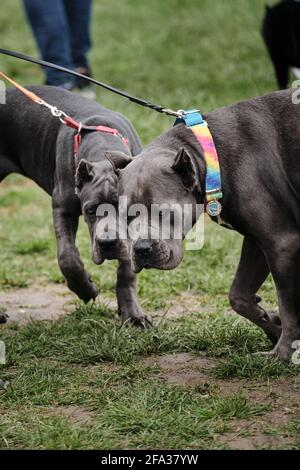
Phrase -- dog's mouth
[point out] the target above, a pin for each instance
(140, 263)
(100, 254)
(138, 267)
(99, 257)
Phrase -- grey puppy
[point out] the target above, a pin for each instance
(35, 144)
(258, 144)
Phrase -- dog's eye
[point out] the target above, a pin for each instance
(92, 210)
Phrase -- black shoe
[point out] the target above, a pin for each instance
(83, 87)
(65, 85)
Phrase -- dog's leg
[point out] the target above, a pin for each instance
(78, 279)
(284, 260)
(280, 64)
(128, 305)
(282, 72)
(252, 271)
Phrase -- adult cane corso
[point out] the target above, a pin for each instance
(35, 144)
(258, 145)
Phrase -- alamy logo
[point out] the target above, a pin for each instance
(2, 353)
(166, 221)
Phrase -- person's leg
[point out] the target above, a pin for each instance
(79, 16)
(51, 30)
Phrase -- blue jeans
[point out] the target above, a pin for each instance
(62, 31)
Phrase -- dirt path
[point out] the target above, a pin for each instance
(38, 303)
(53, 301)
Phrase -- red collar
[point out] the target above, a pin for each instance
(82, 127)
(65, 119)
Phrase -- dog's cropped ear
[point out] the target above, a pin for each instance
(186, 168)
(84, 173)
(119, 160)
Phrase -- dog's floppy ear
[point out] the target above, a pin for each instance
(119, 160)
(185, 166)
(84, 173)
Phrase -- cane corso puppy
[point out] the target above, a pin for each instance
(35, 144)
(258, 145)
(281, 33)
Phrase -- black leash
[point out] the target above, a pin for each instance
(134, 99)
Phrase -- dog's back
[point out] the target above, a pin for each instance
(28, 132)
(281, 33)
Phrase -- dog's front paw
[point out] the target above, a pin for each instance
(90, 293)
(283, 351)
(3, 317)
(142, 321)
(84, 288)
(134, 316)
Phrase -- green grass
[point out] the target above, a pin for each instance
(91, 335)
(179, 53)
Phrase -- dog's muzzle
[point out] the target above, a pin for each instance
(143, 248)
(107, 243)
(143, 253)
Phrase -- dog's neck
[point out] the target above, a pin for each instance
(180, 137)
(94, 146)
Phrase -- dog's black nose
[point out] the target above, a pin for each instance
(143, 247)
(106, 242)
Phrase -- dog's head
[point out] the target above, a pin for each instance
(167, 188)
(97, 189)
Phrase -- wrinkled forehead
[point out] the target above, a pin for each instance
(103, 185)
(146, 181)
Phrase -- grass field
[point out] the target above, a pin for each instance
(192, 382)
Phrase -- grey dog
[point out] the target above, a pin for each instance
(258, 144)
(35, 144)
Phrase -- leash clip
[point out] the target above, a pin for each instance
(182, 112)
(179, 114)
(58, 113)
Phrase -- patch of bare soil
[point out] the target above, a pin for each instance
(37, 303)
(76, 414)
(251, 437)
(184, 304)
(280, 397)
(257, 433)
(190, 370)
(182, 369)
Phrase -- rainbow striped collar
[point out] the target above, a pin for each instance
(213, 185)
